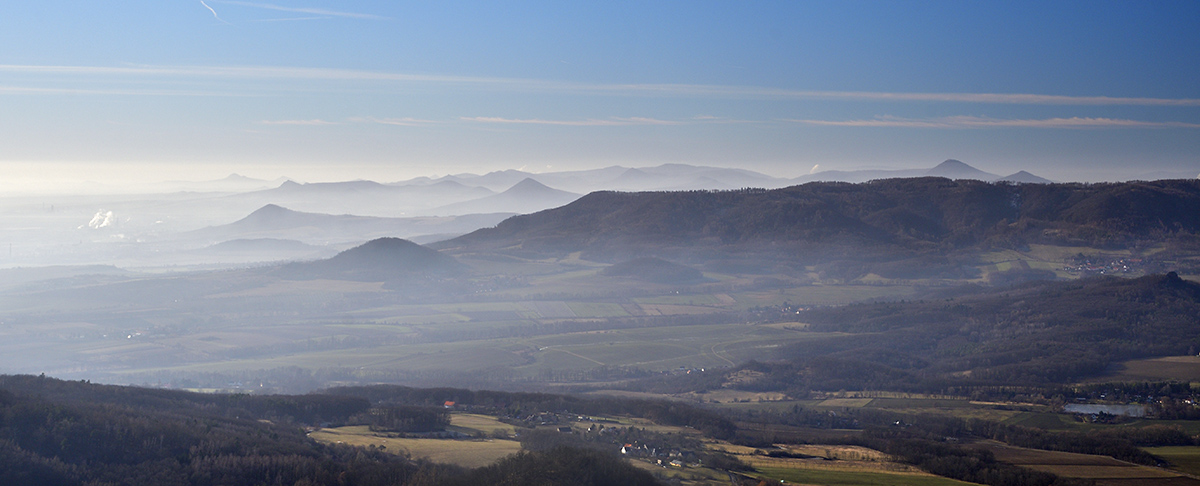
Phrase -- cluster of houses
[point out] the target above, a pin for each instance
(1096, 266)
(672, 458)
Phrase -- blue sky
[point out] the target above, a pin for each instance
(318, 90)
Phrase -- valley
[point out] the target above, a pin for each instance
(867, 318)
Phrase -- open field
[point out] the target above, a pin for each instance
(845, 402)
(853, 478)
(833, 465)
(1065, 421)
(466, 453)
(729, 395)
(689, 476)
(961, 408)
(1170, 368)
(1185, 459)
(1073, 465)
(483, 424)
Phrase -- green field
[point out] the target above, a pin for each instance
(476, 424)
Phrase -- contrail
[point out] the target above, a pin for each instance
(214, 12)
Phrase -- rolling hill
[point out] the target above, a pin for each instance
(380, 260)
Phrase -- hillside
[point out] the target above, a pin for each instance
(655, 270)
(381, 260)
(879, 220)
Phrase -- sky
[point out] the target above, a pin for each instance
(137, 90)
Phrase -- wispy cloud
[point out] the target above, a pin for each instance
(608, 122)
(980, 98)
(25, 90)
(256, 72)
(406, 122)
(403, 122)
(310, 11)
(966, 122)
(313, 122)
(536, 85)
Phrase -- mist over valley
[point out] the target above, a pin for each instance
(303, 243)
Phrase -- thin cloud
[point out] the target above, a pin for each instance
(313, 122)
(255, 72)
(979, 98)
(535, 85)
(22, 90)
(404, 122)
(718, 119)
(966, 122)
(311, 11)
(610, 122)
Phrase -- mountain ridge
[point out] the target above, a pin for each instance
(897, 215)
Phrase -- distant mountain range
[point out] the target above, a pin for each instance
(526, 196)
(231, 183)
(514, 191)
(665, 177)
(364, 198)
(277, 222)
(950, 169)
(677, 177)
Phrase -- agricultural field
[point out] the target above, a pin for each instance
(852, 478)
(1102, 469)
(961, 407)
(466, 453)
(475, 424)
(1184, 459)
(1170, 368)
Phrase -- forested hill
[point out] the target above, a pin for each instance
(905, 215)
(55, 432)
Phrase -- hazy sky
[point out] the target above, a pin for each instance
(321, 90)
